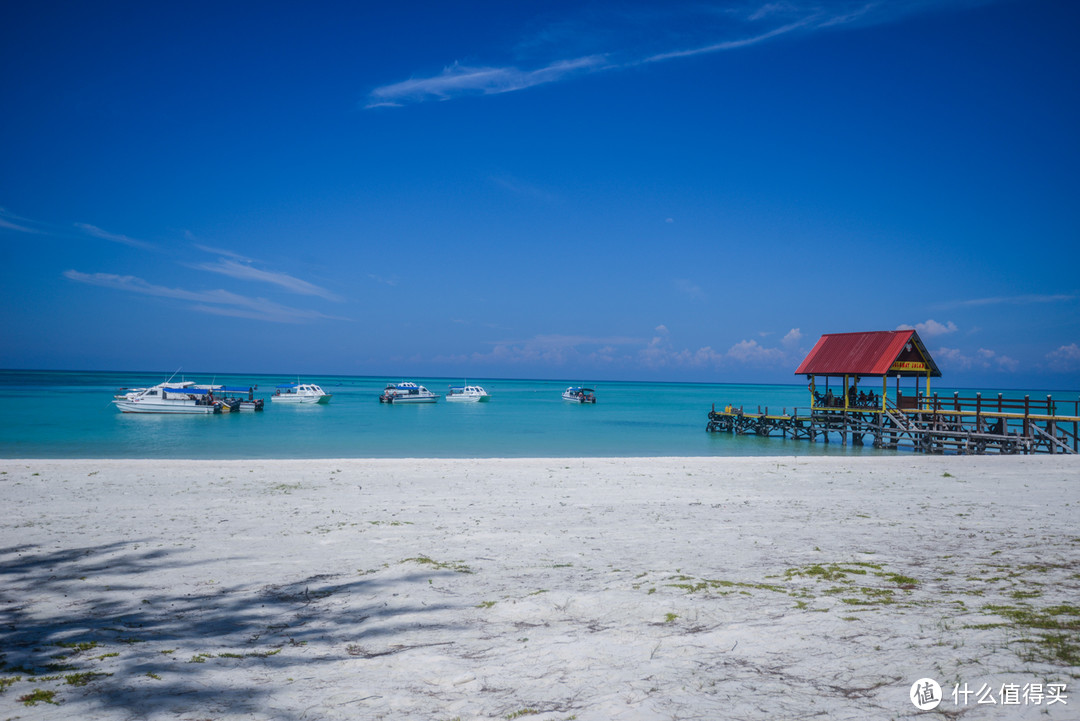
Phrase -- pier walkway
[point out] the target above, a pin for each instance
(927, 424)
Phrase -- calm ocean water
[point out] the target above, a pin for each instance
(53, 414)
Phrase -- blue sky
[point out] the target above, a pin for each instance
(584, 191)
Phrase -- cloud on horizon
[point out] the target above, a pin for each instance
(1065, 358)
(984, 359)
(930, 328)
(622, 352)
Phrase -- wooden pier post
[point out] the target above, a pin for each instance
(1051, 425)
(1027, 419)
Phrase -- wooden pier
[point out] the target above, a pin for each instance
(951, 424)
(858, 414)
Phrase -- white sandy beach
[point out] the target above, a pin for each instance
(550, 589)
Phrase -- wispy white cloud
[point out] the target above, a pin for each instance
(391, 280)
(97, 232)
(1028, 299)
(522, 188)
(219, 302)
(219, 251)
(243, 271)
(728, 44)
(8, 221)
(630, 37)
(458, 80)
(689, 288)
(792, 338)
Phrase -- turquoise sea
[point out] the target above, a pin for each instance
(64, 414)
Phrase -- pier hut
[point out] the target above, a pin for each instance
(852, 357)
(843, 372)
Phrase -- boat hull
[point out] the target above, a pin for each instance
(297, 400)
(177, 408)
(398, 400)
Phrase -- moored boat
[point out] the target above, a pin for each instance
(467, 393)
(577, 394)
(183, 397)
(238, 398)
(407, 392)
(300, 393)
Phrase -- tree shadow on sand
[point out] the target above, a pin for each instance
(90, 626)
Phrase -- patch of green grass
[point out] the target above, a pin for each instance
(670, 617)
(1060, 642)
(486, 604)
(456, 566)
(8, 682)
(522, 712)
(82, 679)
(59, 667)
(829, 572)
(690, 587)
(899, 580)
(285, 488)
(252, 654)
(39, 695)
(1026, 594)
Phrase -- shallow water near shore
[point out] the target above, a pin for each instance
(55, 414)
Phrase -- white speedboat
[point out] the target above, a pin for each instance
(300, 393)
(467, 393)
(182, 397)
(578, 394)
(407, 392)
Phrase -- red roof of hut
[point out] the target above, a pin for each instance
(874, 353)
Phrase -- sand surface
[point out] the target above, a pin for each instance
(551, 589)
